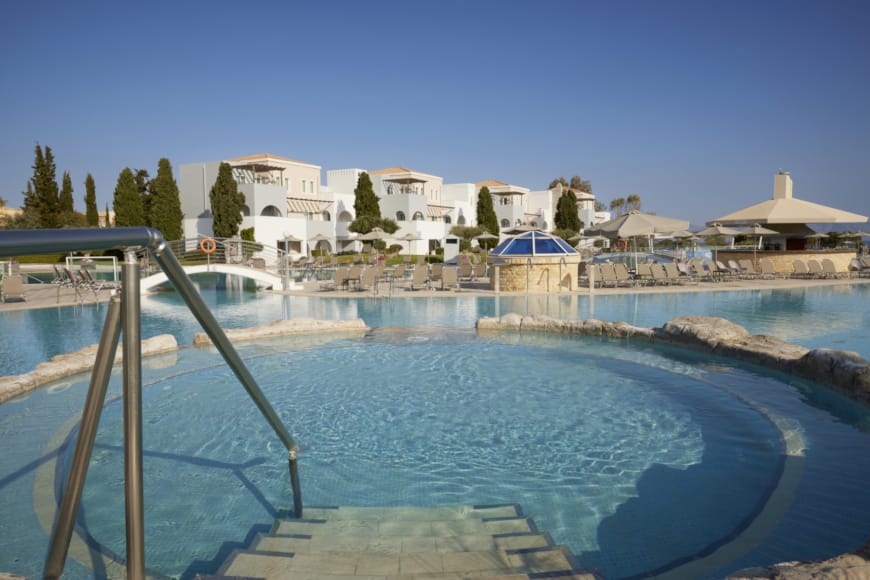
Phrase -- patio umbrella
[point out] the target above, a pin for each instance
(376, 234)
(717, 229)
(818, 238)
(409, 237)
(485, 236)
(757, 231)
(635, 224)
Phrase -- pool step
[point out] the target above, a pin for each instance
(405, 544)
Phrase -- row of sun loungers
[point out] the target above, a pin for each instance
(80, 279)
(694, 271)
(429, 276)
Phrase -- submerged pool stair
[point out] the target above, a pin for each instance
(491, 541)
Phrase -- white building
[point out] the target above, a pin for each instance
(285, 198)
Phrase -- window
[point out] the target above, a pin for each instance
(505, 223)
(246, 210)
(417, 216)
(400, 216)
(271, 211)
(326, 216)
(447, 219)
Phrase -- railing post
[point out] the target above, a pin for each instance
(294, 484)
(78, 470)
(132, 352)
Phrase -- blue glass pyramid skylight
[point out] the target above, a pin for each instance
(533, 243)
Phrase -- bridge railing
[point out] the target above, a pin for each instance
(124, 315)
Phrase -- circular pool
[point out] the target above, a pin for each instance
(638, 462)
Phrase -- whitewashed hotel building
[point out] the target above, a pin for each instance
(285, 198)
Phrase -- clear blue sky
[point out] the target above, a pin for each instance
(692, 105)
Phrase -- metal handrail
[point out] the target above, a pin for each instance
(24, 242)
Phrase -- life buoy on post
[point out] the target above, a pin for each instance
(621, 245)
(208, 245)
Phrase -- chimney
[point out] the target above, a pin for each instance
(782, 185)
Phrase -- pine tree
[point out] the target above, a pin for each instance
(227, 203)
(486, 217)
(566, 217)
(45, 195)
(365, 202)
(164, 202)
(127, 201)
(91, 215)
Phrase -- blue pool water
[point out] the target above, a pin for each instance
(830, 317)
(637, 458)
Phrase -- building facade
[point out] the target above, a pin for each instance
(285, 199)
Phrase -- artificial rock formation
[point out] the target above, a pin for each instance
(843, 370)
(295, 326)
(73, 363)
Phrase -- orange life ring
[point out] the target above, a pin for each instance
(621, 245)
(208, 245)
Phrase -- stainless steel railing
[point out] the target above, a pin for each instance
(124, 315)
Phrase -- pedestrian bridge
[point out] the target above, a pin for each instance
(263, 277)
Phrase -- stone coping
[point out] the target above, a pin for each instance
(292, 327)
(80, 361)
(845, 371)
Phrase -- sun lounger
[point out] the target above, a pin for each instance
(420, 277)
(815, 268)
(800, 269)
(659, 274)
(479, 270)
(623, 278)
(435, 271)
(449, 278)
(466, 271)
(643, 274)
(748, 268)
(608, 276)
(830, 269)
(12, 289)
(768, 271)
(368, 279)
(339, 281)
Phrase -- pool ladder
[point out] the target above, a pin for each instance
(123, 316)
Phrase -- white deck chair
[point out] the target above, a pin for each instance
(800, 269)
(12, 289)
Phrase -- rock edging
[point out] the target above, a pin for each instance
(73, 363)
(82, 360)
(845, 371)
(295, 326)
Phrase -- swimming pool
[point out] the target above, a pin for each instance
(605, 483)
(830, 317)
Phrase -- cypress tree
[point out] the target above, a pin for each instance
(227, 203)
(566, 217)
(108, 217)
(127, 201)
(91, 215)
(65, 199)
(365, 202)
(165, 203)
(486, 217)
(45, 195)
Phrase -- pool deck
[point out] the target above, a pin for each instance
(51, 296)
